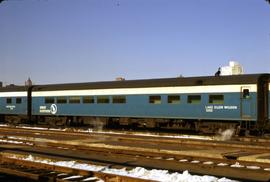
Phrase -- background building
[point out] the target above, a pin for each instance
(234, 68)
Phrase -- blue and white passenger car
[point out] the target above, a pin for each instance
(14, 104)
(200, 103)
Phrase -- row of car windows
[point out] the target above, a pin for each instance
(18, 100)
(85, 100)
(191, 99)
(153, 99)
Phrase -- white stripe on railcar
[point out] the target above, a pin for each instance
(151, 90)
(13, 94)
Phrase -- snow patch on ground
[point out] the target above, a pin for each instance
(14, 142)
(10, 141)
(138, 172)
(237, 165)
(174, 136)
(253, 167)
(90, 130)
(35, 128)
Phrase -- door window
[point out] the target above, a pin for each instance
(246, 93)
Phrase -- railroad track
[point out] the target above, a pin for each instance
(246, 143)
(48, 172)
(152, 159)
(228, 164)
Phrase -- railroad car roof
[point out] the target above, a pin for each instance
(13, 88)
(163, 82)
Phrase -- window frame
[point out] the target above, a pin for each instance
(18, 100)
(173, 101)
(154, 99)
(46, 99)
(88, 99)
(216, 100)
(74, 99)
(246, 93)
(9, 100)
(103, 99)
(61, 100)
(190, 99)
(119, 99)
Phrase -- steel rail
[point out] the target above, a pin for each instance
(48, 172)
(159, 160)
(252, 145)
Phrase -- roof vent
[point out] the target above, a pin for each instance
(120, 79)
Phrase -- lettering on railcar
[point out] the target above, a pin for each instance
(230, 107)
(212, 108)
(208, 108)
(10, 107)
(43, 109)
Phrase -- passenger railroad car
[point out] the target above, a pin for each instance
(200, 103)
(14, 104)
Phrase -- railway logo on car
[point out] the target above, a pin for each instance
(53, 109)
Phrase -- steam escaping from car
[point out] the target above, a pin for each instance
(98, 124)
(226, 134)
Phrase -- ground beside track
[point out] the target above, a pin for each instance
(169, 151)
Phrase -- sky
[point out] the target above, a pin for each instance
(67, 41)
